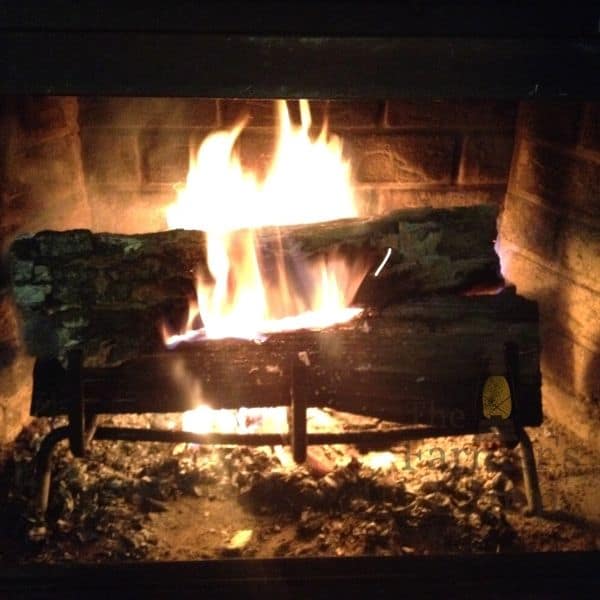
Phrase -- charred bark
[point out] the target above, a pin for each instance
(107, 294)
(420, 362)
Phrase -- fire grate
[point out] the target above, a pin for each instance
(437, 364)
(83, 425)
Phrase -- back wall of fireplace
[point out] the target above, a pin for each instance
(112, 164)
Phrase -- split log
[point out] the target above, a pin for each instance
(420, 362)
(107, 293)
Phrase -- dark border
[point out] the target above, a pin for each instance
(308, 17)
(547, 575)
(178, 64)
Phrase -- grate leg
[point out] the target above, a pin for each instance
(43, 459)
(43, 465)
(530, 476)
(297, 412)
(297, 425)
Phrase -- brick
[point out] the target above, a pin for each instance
(461, 115)
(579, 251)
(14, 207)
(59, 207)
(529, 226)
(41, 117)
(401, 159)
(577, 305)
(8, 324)
(574, 365)
(147, 113)
(367, 201)
(559, 179)
(590, 130)
(392, 199)
(165, 156)
(569, 245)
(15, 396)
(129, 212)
(258, 112)
(15, 375)
(486, 158)
(47, 176)
(349, 114)
(578, 415)
(550, 120)
(263, 113)
(41, 112)
(111, 157)
(51, 162)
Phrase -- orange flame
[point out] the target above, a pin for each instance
(309, 181)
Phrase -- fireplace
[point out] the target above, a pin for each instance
(109, 157)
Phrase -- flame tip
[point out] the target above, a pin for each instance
(229, 202)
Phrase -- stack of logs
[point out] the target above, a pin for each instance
(421, 336)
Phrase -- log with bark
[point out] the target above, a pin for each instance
(108, 293)
(420, 362)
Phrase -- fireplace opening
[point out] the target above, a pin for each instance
(289, 329)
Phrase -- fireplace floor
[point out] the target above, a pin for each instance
(140, 501)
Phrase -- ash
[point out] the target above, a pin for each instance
(142, 501)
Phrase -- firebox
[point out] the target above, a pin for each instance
(318, 285)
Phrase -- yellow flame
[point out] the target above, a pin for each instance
(308, 181)
(204, 419)
(253, 292)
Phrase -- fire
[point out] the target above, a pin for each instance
(252, 293)
(204, 419)
(308, 181)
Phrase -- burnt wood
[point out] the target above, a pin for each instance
(107, 294)
(421, 362)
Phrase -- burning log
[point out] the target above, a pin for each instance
(420, 362)
(108, 293)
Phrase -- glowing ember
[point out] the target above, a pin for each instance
(308, 182)
(379, 460)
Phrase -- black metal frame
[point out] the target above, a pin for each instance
(83, 428)
(325, 49)
(184, 64)
(485, 18)
(519, 575)
(535, 575)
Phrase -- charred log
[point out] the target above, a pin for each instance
(420, 362)
(107, 293)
